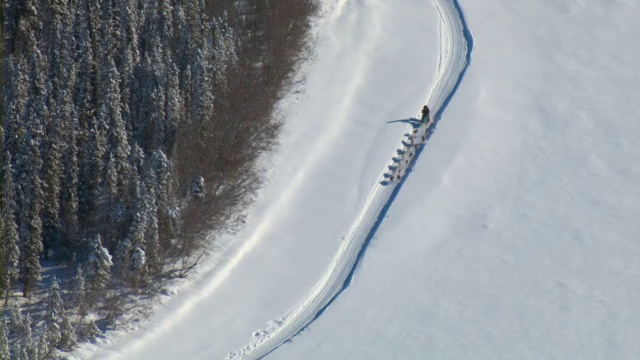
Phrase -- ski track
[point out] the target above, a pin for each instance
(456, 44)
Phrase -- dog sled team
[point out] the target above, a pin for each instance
(410, 147)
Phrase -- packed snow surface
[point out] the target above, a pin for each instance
(513, 235)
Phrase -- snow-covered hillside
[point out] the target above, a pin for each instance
(515, 233)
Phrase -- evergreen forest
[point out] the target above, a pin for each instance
(131, 131)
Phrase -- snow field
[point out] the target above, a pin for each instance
(514, 237)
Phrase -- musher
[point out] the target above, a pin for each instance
(425, 114)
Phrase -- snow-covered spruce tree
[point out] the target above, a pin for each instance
(122, 259)
(138, 259)
(44, 349)
(96, 163)
(87, 134)
(138, 267)
(137, 237)
(5, 353)
(98, 269)
(3, 277)
(174, 109)
(10, 239)
(16, 320)
(52, 148)
(150, 126)
(21, 353)
(117, 168)
(61, 333)
(53, 316)
(78, 292)
(16, 96)
(152, 240)
(28, 24)
(135, 192)
(111, 211)
(111, 185)
(51, 184)
(32, 247)
(69, 193)
(25, 339)
(157, 183)
(60, 83)
(14, 207)
(16, 141)
(30, 207)
(9, 25)
(117, 135)
(183, 42)
(88, 331)
(129, 40)
(202, 96)
(68, 337)
(139, 224)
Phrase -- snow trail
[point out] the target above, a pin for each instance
(454, 57)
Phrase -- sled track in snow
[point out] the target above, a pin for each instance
(456, 44)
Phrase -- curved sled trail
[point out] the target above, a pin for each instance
(455, 51)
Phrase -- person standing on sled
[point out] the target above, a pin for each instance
(425, 114)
